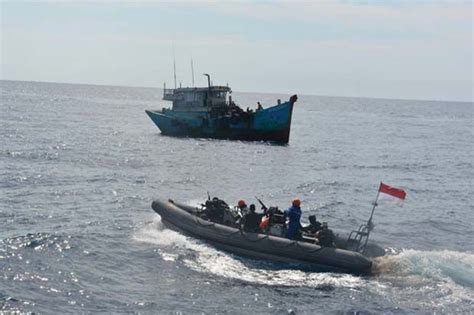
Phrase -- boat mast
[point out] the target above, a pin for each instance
(174, 67)
(192, 70)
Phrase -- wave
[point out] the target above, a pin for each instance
(411, 278)
(437, 265)
(320, 186)
(10, 304)
(33, 156)
(436, 278)
(36, 241)
(404, 167)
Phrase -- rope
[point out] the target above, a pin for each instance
(309, 251)
(228, 234)
(242, 233)
(288, 245)
(212, 224)
(206, 225)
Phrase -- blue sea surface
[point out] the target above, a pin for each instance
(81, 164)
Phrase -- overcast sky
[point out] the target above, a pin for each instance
(391, 49)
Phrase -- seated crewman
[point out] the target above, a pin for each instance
(326, 236)
(251, 220)
(313, 227)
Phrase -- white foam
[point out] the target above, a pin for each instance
(439, 278)
(223, 265)
(155, 232)
(457, 266)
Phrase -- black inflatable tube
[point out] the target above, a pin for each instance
(180, 217)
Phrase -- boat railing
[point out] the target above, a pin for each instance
(172, 95)
(168, 92)
(359, 238)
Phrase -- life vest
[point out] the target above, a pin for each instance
(264, 223)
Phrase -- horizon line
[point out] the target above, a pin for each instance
(248, 92)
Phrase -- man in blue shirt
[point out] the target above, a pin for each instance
(294, 216)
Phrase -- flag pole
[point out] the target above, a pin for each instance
(369, 223)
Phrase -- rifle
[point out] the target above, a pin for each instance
(261, 202)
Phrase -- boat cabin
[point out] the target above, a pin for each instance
(191, 99)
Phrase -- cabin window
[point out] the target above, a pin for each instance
(219, 94)
(190, 97)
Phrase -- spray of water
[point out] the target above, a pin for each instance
(435, 278)
(436, 265)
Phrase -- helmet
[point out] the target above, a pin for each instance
(241, 203)
(296, 202)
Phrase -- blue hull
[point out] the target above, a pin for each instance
(270, 124)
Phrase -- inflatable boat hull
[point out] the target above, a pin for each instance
(182, 218)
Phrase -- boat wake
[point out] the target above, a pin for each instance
(436, 265)
(436, 279)
(204, 258)
(411, 278)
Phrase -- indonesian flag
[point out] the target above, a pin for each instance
(391, 193)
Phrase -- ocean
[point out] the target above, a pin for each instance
(81, 164)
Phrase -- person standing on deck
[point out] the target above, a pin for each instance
(242, 206)
(294, 215)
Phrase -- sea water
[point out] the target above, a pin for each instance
(81, 164)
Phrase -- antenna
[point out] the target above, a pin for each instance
(192, 70)
(174, 67)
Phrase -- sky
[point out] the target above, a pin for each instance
(387, 49)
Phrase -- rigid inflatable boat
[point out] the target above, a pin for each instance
(187, 219)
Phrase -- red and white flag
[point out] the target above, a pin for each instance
(391, 193)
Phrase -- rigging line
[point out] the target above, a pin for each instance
(192, 70)
(276, 246)
(174, 66)
(309, 251)
(201, 224)
(243, 234)
(213, 225)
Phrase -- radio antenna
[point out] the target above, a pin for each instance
(174, 66)
(192, 70)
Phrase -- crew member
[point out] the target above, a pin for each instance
(259, 106)
(242, 206)
(294, 215)
(251, 220)
(314, 225)
(326, 236)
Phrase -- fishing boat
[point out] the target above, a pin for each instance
(351, 255)
(206, 112)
